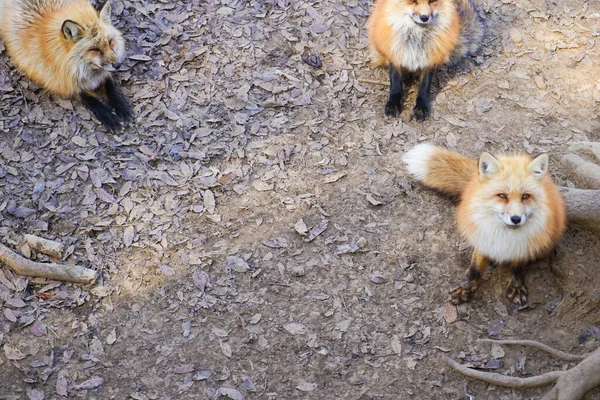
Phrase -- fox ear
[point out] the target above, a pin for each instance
(105, 12)
(72, 30)
(488, 165)
(539, 166)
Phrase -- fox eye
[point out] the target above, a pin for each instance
(95, 50)
(502, 196)
(525, 197)
(432, 1)
(413, 1)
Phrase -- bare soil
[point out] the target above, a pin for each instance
(193, 215)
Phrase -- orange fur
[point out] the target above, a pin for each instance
(509, 209)
(33, 35)
(389, 22)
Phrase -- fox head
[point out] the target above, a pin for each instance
(512, 187)
(422, 12)
(94, 40)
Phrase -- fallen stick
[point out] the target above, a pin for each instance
(49, 247)
(373, 82)
(54, 271)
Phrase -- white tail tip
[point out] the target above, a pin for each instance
(417, 159)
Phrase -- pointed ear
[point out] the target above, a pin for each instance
(105, 12)
(488, 165)
(72, 30)
(539, 166)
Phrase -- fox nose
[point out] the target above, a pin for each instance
(117, 65)
(515, 219)
(424, 18)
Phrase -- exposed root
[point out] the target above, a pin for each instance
(583, 206)
(585, 173)
(503, 380)
(561, 355)
(571, 384)
(59, 272)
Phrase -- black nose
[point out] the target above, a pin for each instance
(117, 64)
(424, 18)
(515, 219)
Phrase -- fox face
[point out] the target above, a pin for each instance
(97, 44)
(422, 12)
(512, 188)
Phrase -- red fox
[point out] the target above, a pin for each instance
(70, 49)
(417, 37)
(509, 210)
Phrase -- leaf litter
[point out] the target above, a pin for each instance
(252, 119)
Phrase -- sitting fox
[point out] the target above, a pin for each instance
(70, 49)
(509, 210)
(417, 37)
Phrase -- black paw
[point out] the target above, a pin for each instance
(124, 112)
(421, 111)
(392, 109)
(110, 121)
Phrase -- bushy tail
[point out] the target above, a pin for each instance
(439, 168)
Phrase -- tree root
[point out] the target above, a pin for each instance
(561, 355)
(571, 384)
(59, 272)
(583, 206)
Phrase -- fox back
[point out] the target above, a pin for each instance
(66, 46)
(421, 34)
(509, 209)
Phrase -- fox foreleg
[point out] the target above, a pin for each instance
(117, 101)
(517, 292)
(422, 108)
(394, 103)
(465, 289)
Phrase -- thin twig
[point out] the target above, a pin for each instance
(374, 82)
(505, 381)
(561, 355)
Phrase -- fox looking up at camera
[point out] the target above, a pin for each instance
(509, 209)
(417, 37)
(70, 49)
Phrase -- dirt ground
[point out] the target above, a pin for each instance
(194, 215)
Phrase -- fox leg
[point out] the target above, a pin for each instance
(517, 292)
(464, 291)
(102, 111)
(116, 100)
(394, 103)
(423, 106)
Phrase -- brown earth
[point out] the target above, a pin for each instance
(192, 215)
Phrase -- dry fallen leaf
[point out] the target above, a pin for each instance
(229, 393)
(112, 337)
(13, 353)
(61, 386)
(396, 345)
(225, 348)
(295, 329)
(304, 386)
(450, 313)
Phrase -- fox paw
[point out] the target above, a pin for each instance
(392, 109)
(125, 114)
(463, 292)
(421, 112)
(516, 293)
